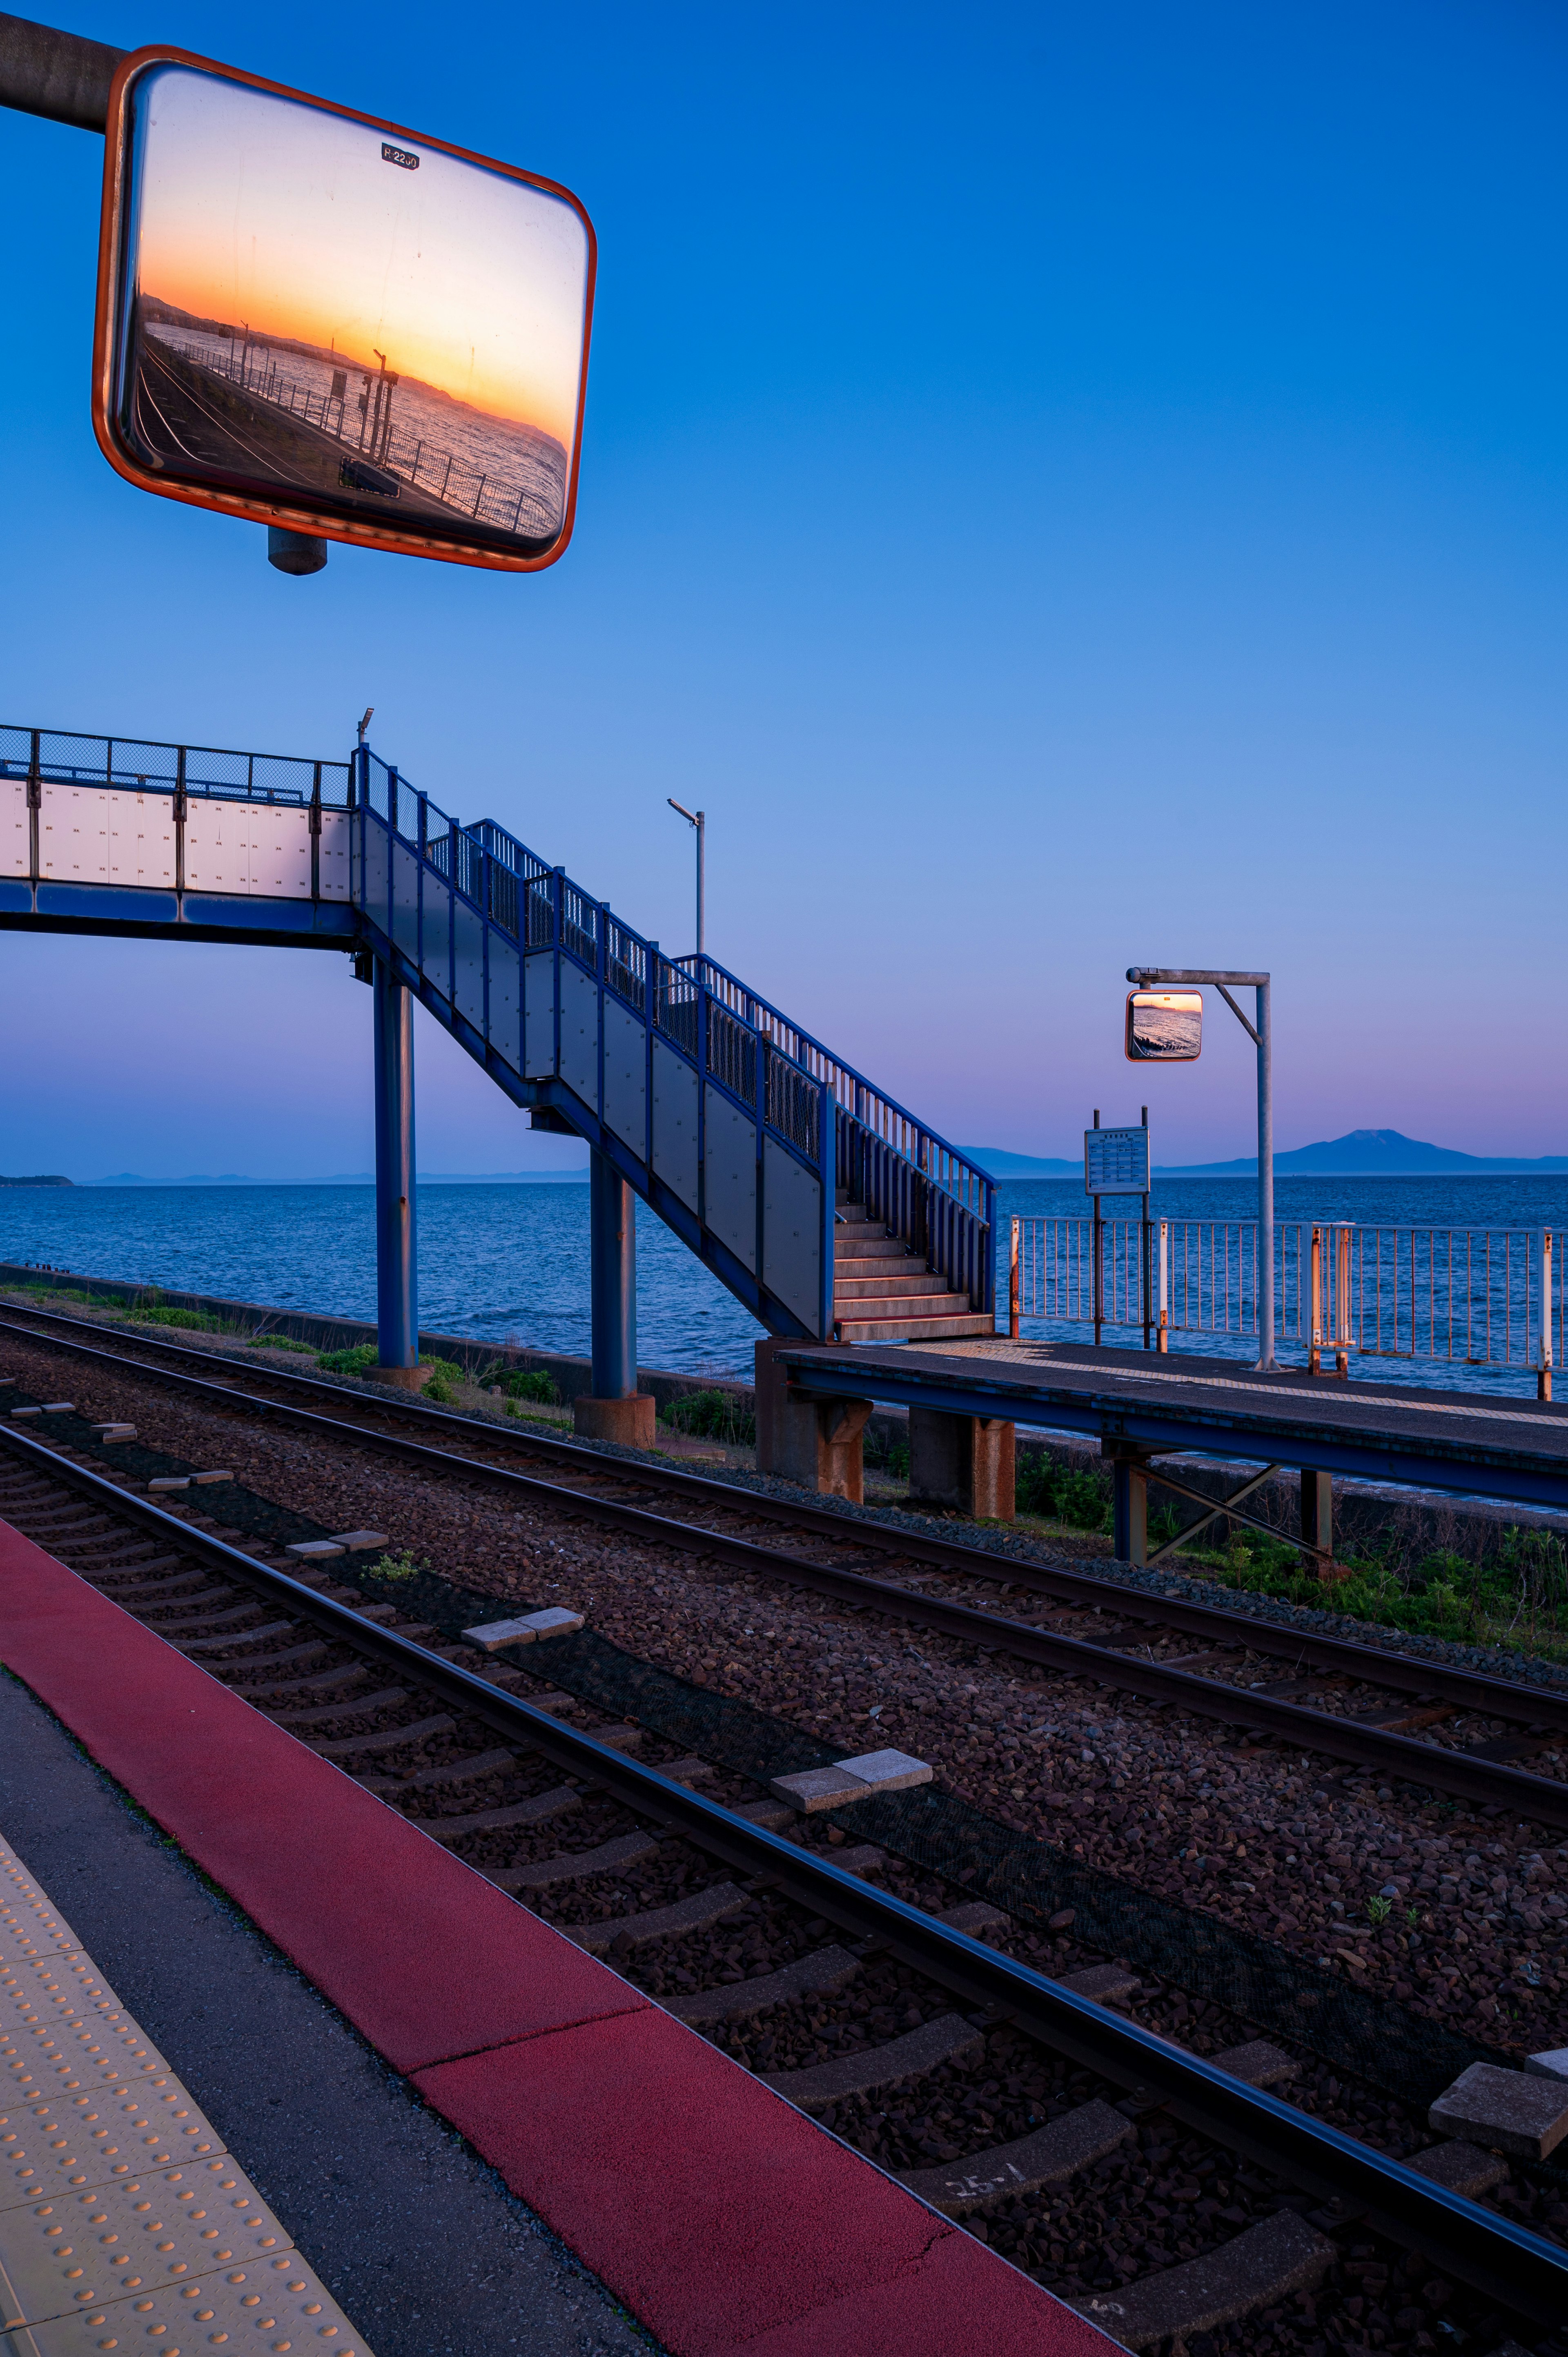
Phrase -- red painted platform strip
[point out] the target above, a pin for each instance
(725, 2219)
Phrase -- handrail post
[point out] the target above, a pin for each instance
(1544, 1358)
(1013, 1304)
(1162, 1339)
(827, 1172)
(1314, 1348)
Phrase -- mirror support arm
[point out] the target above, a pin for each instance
(57, 75)
(1236, 1011)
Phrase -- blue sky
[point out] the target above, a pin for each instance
(1060, 488)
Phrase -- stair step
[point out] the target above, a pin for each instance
(869, 1250)
(913, 1330)
(871, 1288)
(907, 1305)
(858, 1232)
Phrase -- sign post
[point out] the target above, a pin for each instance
(1116, 1162)
(1150, 976)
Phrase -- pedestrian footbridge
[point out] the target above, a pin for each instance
(830, 1211)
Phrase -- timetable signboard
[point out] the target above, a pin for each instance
(1116, 1162)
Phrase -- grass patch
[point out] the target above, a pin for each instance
(352, 1361)
(1076, 1495)
(392, 1569)
(280, 1342)
(531, 1384)
(445, 1378)
(1516, 1600)
(712, 1415)
(195, 1321)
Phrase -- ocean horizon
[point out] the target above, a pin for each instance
(509, 1264)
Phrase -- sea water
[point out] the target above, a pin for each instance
(510, 1263)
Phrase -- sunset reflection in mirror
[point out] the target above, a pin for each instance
(313, 311)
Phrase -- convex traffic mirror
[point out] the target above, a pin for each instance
(315, 320)
(1164, 1026)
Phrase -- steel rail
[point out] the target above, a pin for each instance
(1541, 1799)
(1495, 2255)
(1404, 1672)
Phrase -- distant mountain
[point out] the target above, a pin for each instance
(1371, 1154)
(52, 1180)
(1359, 1154)
(1003, 1165)
(315, 1179)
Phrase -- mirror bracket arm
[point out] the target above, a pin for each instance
(1236, 1011)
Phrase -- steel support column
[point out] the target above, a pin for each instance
(397, 1305)
(613, 1264)
(1317, 1515)
(1129, 1501)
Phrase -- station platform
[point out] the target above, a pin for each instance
(1141, 1405)
(358, 1995)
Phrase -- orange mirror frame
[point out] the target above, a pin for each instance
(318, 320)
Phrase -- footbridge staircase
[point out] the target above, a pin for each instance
(828, 1209)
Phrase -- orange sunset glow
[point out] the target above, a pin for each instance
(276, 215)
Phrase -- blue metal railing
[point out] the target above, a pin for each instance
(910, 1178)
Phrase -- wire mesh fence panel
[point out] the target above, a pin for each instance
(1467, 1297)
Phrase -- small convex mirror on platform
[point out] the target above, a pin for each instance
(1164, 1026)
(327, 324)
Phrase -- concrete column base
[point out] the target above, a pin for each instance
(403, 1379)
(808, 1437)
(631, 1422)
(968, 1462)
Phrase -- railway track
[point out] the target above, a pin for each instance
(1397, 1716)
(732, 1911)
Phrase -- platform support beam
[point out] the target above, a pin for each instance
(968, 1462)
(613, 1410)
(397, 1299)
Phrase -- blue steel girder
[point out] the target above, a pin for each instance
(1421, 1460)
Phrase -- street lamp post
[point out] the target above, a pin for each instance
(698, 819)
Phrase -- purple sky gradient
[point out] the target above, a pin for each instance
(1059, 490)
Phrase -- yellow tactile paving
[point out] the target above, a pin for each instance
(123, 2222)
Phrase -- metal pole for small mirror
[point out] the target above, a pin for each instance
(1174, 1050)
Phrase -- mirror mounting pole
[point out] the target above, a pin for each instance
(1261, 1035)
(57, 75)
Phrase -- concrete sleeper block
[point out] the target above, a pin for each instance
(170, 1481)
(1280, 2255)
(811, 1789)
(1460, 2168)
(1553, 2064)
(523, 1628)
(1510, 2110)
(354, 1541)
(1049, 2157)
(886, 1771)
(312, 1550)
